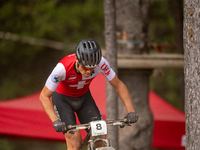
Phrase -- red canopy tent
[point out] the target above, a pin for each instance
(25, 117)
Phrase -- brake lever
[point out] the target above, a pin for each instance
(122, 126)
(128, 124)
(125, 124)
(72, 131)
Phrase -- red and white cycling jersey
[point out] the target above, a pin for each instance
(65, 80)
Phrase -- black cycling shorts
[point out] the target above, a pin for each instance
(84, 106)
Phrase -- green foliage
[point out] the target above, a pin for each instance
(167, 86)
(162, 22)
(5, 145)
(48, 19)
(63, 21)
(162, 27)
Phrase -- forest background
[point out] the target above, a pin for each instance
(25, 65)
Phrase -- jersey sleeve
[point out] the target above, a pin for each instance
(58, 74)
(106, 70)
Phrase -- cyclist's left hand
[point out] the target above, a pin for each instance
(132, 117)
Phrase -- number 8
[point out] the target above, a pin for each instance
(99, 127)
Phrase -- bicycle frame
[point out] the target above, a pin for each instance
(97, 129)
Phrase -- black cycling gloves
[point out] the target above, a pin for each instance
(60, 126)
(132, 117)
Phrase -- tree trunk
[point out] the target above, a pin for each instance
(137, 137)
(132, 32)
(111, 56)
(191, 32)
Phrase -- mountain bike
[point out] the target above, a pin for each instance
(97, 128)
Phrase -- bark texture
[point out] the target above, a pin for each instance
(138, 136)
(132, 29)
(132, 25)
(191, 36)
(111, 56)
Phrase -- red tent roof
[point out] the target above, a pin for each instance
(169, 124)
(25, 117)
(164, 111)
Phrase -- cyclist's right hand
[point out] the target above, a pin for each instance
(60, 126)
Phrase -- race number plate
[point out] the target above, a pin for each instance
(98, 127)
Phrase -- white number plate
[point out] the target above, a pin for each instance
(98, 127)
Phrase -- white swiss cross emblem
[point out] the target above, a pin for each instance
(80, 84)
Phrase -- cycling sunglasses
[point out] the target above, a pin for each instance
(86, 68)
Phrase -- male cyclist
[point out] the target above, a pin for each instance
(68, 85)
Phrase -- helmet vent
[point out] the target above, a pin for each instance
(89, 44)
(84, 45)
(93, 45)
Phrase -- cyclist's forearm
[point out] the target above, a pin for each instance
(48, 108)
(123, 93)
(47, 105)
(125, 97)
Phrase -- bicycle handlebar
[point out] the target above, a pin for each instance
(120, 122)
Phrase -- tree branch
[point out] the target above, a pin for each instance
(32, 41)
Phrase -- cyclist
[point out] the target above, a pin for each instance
(68, 85)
